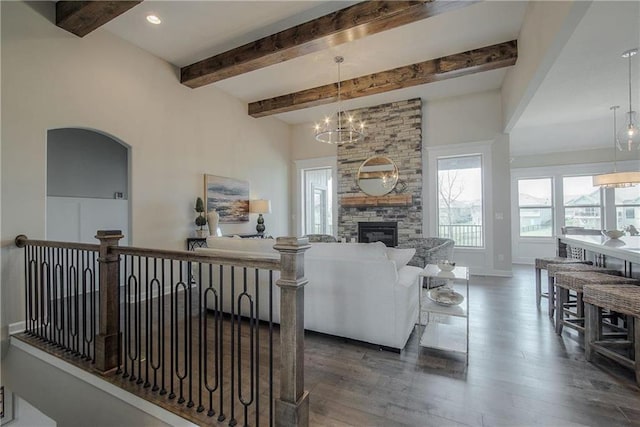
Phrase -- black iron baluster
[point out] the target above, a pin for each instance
(221, 417)
(172, 343)
(216, 316)
(133, 354)
(125, 317)
(44, 285)
(270, 348)
(245, 295)
(85, 340)
(76, 306)
(202, 345)
(58, 297)
(149, 334)
(181, 375)
(71, 284)
(257, 323)
(232, 420)
(94, 311)
(139, 320)
(155, 365)
(189, 320)
(161, 333)
(51, 302)
(27, 312)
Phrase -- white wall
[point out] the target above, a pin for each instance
(458, 123)
(52, 79)
(546, 29)
(53, 390)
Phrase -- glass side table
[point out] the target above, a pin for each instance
(445, 336)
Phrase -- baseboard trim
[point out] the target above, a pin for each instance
(475, 271)
(16, 328)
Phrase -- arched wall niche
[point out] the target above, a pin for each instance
(88, 184)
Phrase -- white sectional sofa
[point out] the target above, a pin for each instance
(355, 290)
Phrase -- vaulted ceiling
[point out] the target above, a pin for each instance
(586, 78)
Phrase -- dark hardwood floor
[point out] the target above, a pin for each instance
(520, 373)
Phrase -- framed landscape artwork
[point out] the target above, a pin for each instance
(229, 197)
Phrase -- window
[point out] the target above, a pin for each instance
(535, 203)
(460, 204)
(317, 201)
(627, 202)
(582, 202)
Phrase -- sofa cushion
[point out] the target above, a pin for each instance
(400, 256)
(253, 246)
(376, 250)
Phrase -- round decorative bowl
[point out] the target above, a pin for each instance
(446, 265)
(613, 234)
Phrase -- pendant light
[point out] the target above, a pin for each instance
(616, 179)
(629, 134)
(341, 129)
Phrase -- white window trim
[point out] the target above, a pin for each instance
(515, 199)
(557, 173)
(315, 163)
(484, 149)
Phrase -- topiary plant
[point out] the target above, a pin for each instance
(201, 220)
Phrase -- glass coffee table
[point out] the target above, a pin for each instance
(446, 309)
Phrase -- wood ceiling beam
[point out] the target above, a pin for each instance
(82, 17)
(460, 64)
(345, 25)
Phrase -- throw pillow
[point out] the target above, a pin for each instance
(400, 256)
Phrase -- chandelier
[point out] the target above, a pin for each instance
(340, 129)
(616, 179)
(629, 134)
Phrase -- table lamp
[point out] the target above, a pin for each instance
(260, 206)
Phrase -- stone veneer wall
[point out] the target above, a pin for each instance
(393, 130)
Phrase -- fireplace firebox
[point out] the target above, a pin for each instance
(385, 232)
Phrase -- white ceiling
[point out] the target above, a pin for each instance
(192, 31)
(569, 110)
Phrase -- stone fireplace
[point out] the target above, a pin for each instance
(393, 130)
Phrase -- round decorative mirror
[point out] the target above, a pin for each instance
(377, 176)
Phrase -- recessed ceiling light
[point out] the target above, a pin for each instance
(154, 19)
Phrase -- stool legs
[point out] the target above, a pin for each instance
(551, 296)
(636, 346)
(562, 297)
(592, 332)
(538, 287)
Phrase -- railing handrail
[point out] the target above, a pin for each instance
(237, 260)
(22, 240)
(266, 262)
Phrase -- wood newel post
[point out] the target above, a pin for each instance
(292, 406)
(108, 337)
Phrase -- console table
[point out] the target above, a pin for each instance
(444, 336)
(196, 242)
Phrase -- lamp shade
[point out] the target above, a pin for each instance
(617, 179)
(260, 206)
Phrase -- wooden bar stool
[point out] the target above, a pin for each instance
(623, 299)
(575, 281)
(552, 269)
(542, 263)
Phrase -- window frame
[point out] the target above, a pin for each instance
(519, 208)
(482, 202)
(314, 163)
(430, 192)
(601, 206)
